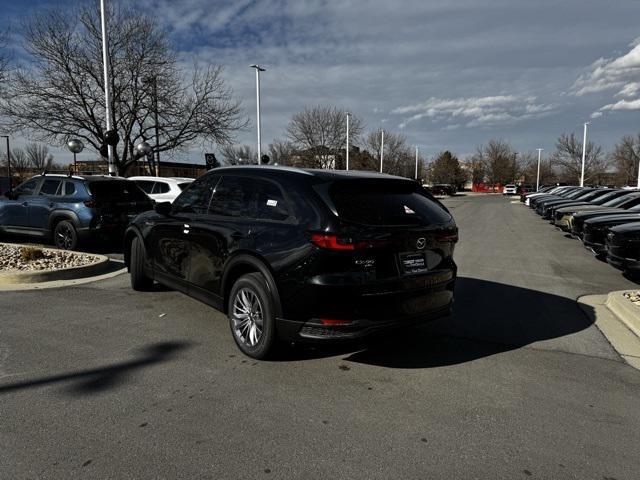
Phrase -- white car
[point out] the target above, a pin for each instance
(509, 190)
(162, 189)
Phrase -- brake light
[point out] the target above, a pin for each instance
(331, 242)
(450, 237)
(90, 203)
(331, 321)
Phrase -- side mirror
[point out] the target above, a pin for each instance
(163, 208)
(11, 195)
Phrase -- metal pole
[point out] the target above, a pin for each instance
(258, 70)
(638, 176)
(347, 141)
(584, 153)
(75, 169)
(538, 177)
(381, 148)
(155, 108)
(416, 163)
(107, 89)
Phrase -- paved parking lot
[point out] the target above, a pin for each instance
(98, 381)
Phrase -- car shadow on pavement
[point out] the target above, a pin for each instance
(99, 379)
(488, 318)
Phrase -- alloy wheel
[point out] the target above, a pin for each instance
(64, 237)
(248, 321)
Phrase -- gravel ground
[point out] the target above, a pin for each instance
(53, 259)
(633, 297)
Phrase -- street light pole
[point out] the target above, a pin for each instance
(381, 148)
(258, 70)
(8, 160)
(538, 176)
(584, 153)
(416, 163)
(348, 141)
(107, 89)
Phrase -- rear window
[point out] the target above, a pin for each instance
(116, 190)
(385, 203)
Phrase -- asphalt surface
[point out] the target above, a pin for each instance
(98, 381)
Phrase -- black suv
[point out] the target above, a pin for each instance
(295, 254)
(70, 209)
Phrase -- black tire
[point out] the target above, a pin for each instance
(65, 235)
(139, 279)
(253, 283)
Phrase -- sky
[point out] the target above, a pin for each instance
(447, 74)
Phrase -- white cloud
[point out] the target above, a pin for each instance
(476, 111)
(623, 105)
(611, 73)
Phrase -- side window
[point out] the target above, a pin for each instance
(27, 188)
(234, 198)
(249, 198)
(160, 187)
(197, 197)
(145, 185)
(50, 187)
(271, 202)
(69, 188)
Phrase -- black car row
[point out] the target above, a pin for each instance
(606, 220)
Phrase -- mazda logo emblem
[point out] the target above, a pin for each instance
(421, 243)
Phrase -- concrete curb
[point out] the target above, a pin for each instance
(627, 312)
(39, 276)
(624, 341)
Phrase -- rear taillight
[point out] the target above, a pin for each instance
(332, 321)
(332, 242)
(90, 203)
(449, 237)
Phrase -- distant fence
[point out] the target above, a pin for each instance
(487, 187)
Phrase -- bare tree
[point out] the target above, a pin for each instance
(568, 157)
(626, 158)
(238, 155)
(498, 162)
(4, 59)
(19, 163)
(398, 157)
(281, 152)
(62, 95)
(320, 133)
(38, 156)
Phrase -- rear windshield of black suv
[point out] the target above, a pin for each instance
(116, 191)
(387, 202)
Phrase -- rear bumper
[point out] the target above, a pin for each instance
(313, 331)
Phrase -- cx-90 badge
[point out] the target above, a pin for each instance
(421, 243)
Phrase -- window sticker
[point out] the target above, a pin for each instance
(408, 210)
(272, 203)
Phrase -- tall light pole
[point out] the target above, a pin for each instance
(8, 160)
(538, 176)
(381, 148)
(416, 163)
(348, 114)
(107, 89)
(258, 70)
(584, 153)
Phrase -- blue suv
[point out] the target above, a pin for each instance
(72, 209)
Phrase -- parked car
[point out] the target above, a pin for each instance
(558, 192)
(162, 189)
(595, 230)
(591, 199)
(623, 247)
(72, 209)
(563, 216)
(542, 205)
(625, 204)
(528, 195)
(509, 189)
(304, 255)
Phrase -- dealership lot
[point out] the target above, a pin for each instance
(100, 381)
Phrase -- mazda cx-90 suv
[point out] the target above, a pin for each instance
(300, 255)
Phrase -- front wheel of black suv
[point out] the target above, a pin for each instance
(65, 235)
(251, 316)
(139, 280)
